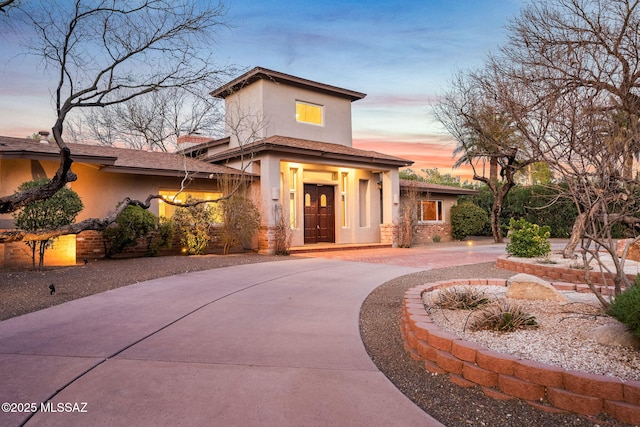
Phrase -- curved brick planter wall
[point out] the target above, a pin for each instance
(506, 377)
(569, 275)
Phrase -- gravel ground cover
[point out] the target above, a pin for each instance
(22, 292)
(452, 405)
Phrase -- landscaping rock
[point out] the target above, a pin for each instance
(616, 334)
(526, 286)
(633, 254)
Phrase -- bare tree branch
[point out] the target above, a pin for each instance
(106, 52)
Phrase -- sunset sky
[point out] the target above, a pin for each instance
(401, 53)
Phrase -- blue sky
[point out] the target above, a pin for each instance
(400, 53)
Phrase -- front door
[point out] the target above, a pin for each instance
(319, 216)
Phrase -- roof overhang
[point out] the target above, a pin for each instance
(260, 73)
(264, 147)
(40, 155)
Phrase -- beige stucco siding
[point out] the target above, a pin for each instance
(357, 217)
(100, 191)
(275, 105)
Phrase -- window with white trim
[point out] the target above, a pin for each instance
(430, 211)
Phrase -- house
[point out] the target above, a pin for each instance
(296, 135)
(106, 175)
(434, 202)
(293, 136)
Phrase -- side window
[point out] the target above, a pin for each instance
(430, 210)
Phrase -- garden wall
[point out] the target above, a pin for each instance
(72, 249)
(569, 275)
(503, 376)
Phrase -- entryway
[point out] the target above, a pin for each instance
(319, 214)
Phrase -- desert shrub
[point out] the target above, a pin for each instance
(407, 217)
(528, 240)
(502, 316)
(133, 223)
(467, 219)
(193, 223)
(162, 238)
(240, 221)
(626, 307)
(461, 298)
(56, 211)
(283, 234)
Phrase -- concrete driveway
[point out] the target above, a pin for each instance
(271, 344)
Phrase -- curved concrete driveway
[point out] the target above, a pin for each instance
(262, 344)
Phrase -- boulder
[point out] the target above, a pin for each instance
(526, 286)
(615, 334)
(633, 254)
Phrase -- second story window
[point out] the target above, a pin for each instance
(309, 113)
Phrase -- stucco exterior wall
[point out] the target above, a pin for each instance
(361, 224)
(99, 191)
(275, 105)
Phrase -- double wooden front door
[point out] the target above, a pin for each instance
(319, 214)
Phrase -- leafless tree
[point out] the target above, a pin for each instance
(103, 53)
(576, 64)
(470, 111)
(5, 5)
(572, 44)
(153, 121)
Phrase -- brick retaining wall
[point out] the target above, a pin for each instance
(568, 275)
(503, 376)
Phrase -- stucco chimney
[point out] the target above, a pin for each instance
(44, 136)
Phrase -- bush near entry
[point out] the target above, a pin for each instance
(528, 240)
(467, 219)
(133, 223)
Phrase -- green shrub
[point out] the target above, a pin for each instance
(540, 204)
(467, 219)
(56, 211)
(240, 221)
(194, 223)
(133, 223)
(528, 240)
(626, 307)
(162, 238)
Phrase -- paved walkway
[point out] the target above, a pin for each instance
(271, 344)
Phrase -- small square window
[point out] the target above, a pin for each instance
(309, 113)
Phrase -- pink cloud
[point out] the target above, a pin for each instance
(424, 155)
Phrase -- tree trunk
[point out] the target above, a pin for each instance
(576, 234)
(42, 248)
(496, 211)
(493, 169)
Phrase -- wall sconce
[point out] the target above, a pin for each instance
(396, 199)
(379, 184)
